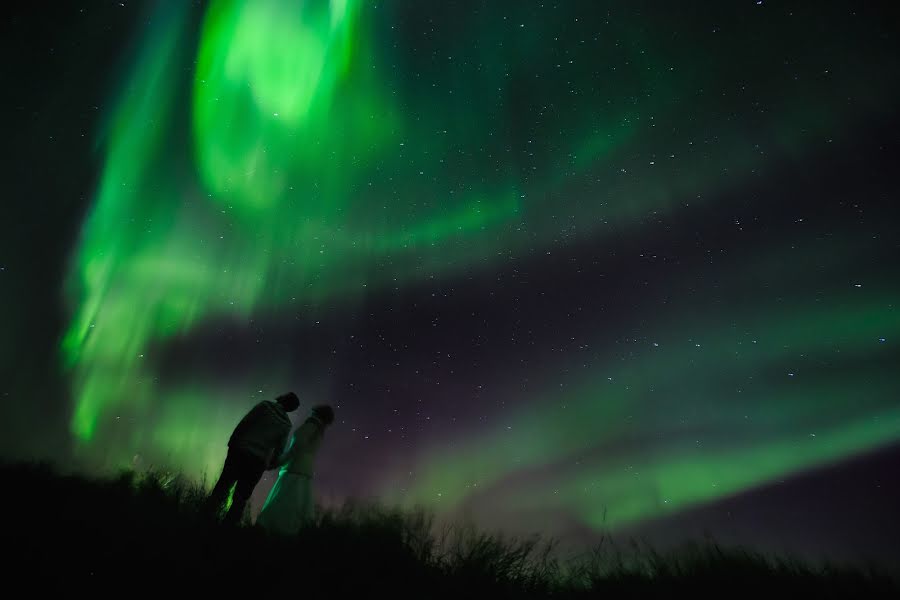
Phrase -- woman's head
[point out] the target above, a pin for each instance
(324, 413)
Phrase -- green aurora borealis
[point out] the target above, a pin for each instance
(275, 160)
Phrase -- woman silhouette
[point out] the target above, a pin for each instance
(290, 503)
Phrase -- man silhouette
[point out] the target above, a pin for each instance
(257, 440)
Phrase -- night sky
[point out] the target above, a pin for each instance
(567, 267)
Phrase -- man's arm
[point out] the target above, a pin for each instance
(280, 455)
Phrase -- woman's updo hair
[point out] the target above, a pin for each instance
(324, 413)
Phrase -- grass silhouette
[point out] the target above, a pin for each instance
(147, 534)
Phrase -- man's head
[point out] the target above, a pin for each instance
(289, 402)
(324, 413)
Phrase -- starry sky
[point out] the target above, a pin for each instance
(569, 267)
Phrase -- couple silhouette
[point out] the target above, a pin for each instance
(258, 445)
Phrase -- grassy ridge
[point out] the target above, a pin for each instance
(148, 533)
